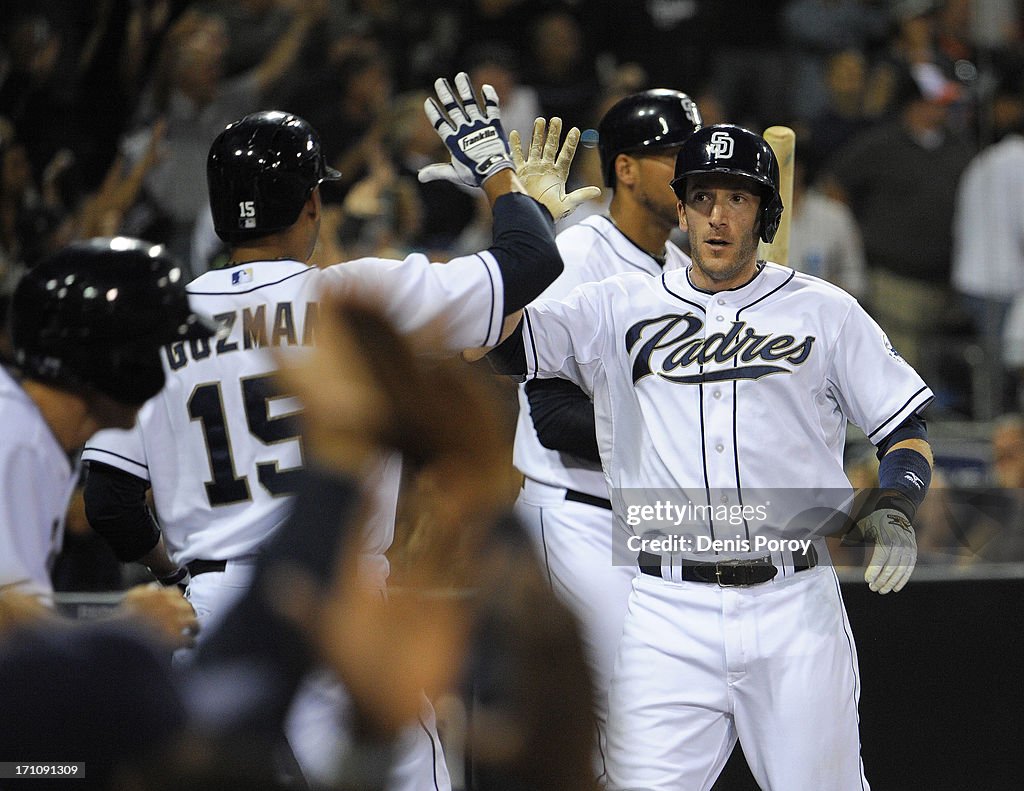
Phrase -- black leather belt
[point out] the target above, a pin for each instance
(589, 499)
(728, 573)
(203, 566)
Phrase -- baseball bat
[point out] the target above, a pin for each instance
(782, 139)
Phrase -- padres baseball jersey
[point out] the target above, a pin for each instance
(219, 445)
(709, 391)
(592, 250)
(36, 482)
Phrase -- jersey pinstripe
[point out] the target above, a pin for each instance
(592, 250)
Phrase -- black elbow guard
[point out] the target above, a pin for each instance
(115, 505)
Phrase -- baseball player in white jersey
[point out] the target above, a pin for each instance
(564, 501)
(86, 328)
(219, 447)
(721, 395)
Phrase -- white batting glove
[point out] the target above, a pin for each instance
(543, 174)
(895, 553)
(475, 139)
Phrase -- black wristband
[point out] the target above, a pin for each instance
(896, 502)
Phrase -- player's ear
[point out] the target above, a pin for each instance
(314, 205)
(681, 210)
(625, 169)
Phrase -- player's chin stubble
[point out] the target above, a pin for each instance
(721, 270)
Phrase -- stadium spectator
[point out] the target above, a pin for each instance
(900, 178)
(191, 97)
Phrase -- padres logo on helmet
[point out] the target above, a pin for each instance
(726, 148)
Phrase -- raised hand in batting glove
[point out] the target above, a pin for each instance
(895, 554)
(473, 135)
(543, 174)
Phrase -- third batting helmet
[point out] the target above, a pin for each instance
(260, 172)
(726, 148)
(95, 315)
(643, 122)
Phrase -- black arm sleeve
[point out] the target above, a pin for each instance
(564, 417)
(913, 427)
(509, 356)
(524, 247)
(115, 505)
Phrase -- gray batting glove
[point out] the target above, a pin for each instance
(475, 138)
(895, 553)
(544, 174)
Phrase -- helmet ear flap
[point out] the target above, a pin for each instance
(771, 216)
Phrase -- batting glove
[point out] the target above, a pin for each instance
(895, 553)
(543, 174)
(475, 139)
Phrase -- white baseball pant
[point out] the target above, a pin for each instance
(700, 665)
(575, 544)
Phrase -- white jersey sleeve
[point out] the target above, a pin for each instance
(120, 448)
(464, 298)
(29, 536)
(568, 338)
(36, 481)
(877, 389)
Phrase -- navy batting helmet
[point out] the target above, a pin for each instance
(260, 172)
(95, 314)
(726, 148)
(644, 122)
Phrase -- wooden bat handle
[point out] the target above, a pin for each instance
(782, 139)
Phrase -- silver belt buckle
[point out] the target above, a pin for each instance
(718, 573)
(751, 563)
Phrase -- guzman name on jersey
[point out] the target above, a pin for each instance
(250, 327)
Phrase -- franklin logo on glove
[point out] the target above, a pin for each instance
(483, 136)
(472, 133)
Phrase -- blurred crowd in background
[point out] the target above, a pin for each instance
(909, 190)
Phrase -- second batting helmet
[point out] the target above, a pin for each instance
(260, 171)
(95, 315)
(726, 148)
(644, 122)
